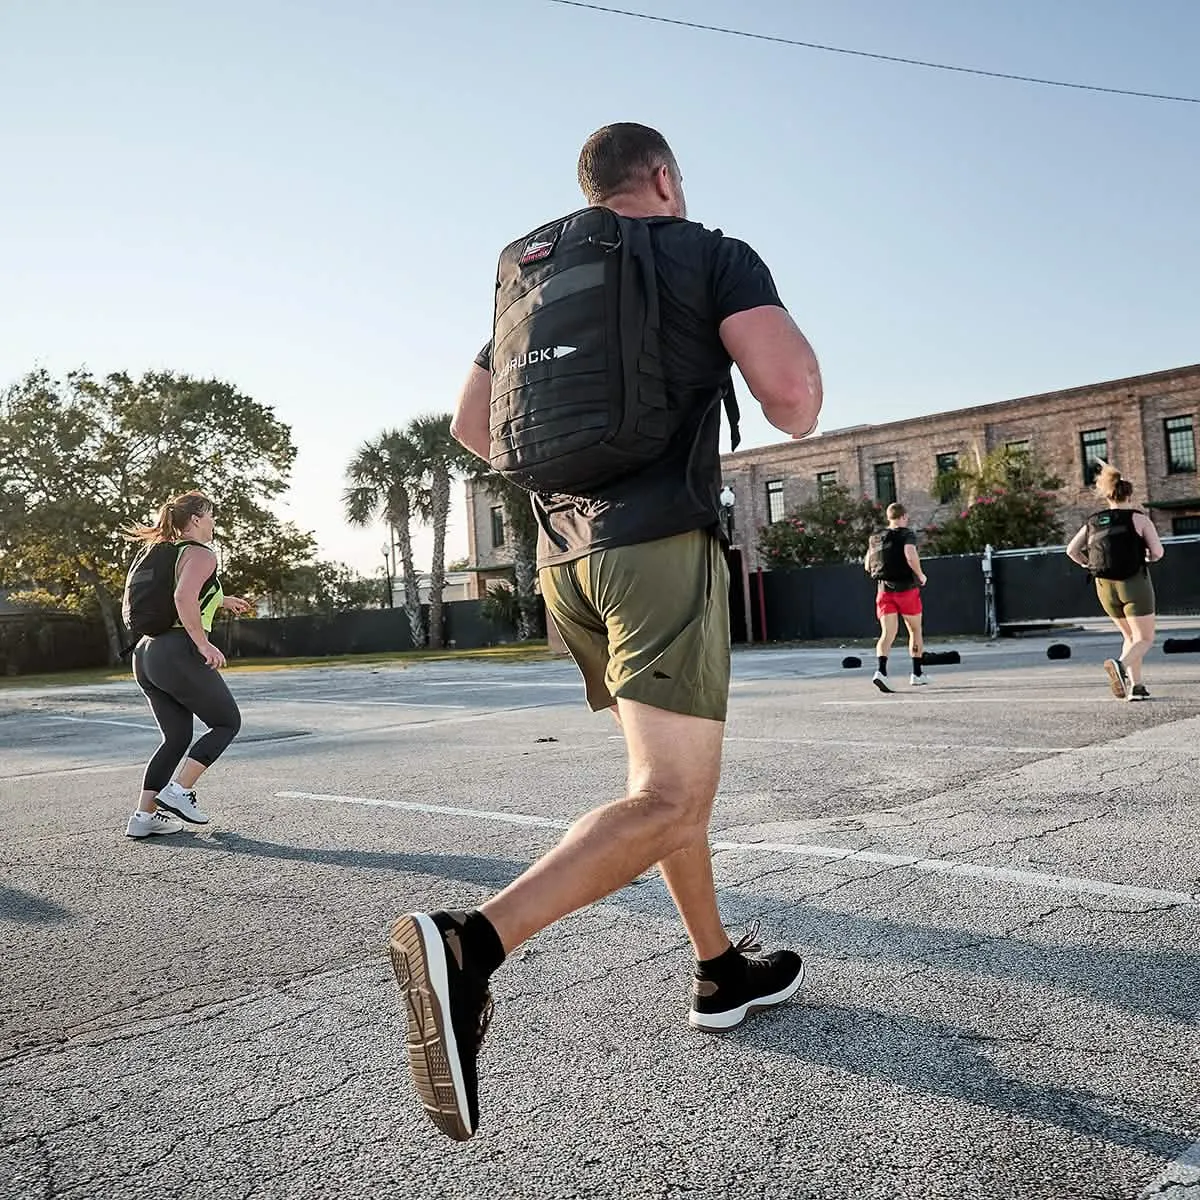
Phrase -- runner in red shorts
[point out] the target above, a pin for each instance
(892, 560)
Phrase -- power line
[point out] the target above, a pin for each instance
(892, 58)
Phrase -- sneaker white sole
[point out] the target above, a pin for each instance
(881, 684)
(1116, 678)
(182, 813)
(714, 1022)
(147, 833)
(419, 961)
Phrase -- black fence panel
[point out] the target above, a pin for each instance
(1177, 580)
(371, 631)
(1044, 585)
(837, 600)
(33, 642)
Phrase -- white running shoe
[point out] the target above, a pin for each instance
(182, 803)
(880, 680)
(144, 824)
(917, 680)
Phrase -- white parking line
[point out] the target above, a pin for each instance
(957, 747)
(102, 721)
(1180, 1181)
(935, 866)
(440, 810)
(353, 703)
(1018, 699)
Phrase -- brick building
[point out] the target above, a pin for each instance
(1144, 425)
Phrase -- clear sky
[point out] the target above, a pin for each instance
(307, 197)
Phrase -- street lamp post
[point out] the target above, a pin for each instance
(386, 550)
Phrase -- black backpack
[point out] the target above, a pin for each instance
(886, 560)
(148, 605)
(1115, 549)
(579, 397)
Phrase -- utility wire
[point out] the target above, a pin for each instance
(892, 58)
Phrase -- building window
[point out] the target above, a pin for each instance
(1185, 525)
(1020, 446)
(498, 525)
(1093, 446)
(885, 482)
(945, 464)
(825, 481)
(774, 501)
(1181, 445)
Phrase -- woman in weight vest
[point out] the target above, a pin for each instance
(1115, 545)
(178, 670)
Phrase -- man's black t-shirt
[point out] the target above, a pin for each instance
(703, 277)
(902, 578)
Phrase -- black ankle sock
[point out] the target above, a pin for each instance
(481, 942)
(917, 664)
(721, 968)
(882, 661)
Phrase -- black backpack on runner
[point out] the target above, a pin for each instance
(886, 561)
(579, 397)
(148, 605)
(1115, 549)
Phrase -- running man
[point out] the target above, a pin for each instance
(893, 561)
(634, 578)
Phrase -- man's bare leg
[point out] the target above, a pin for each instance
(674, 767)
(689, 879)
(889, 624)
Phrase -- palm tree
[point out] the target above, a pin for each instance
(521, 527)
(439, 458)
(385, 485)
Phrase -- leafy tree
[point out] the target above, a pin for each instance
(84, 456)
(833, 527)
(385, 484)
(1009, 500)
(326, 588)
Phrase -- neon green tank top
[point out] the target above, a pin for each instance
(211, 594)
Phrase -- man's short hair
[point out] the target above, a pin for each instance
(895, 511)
(615, 159)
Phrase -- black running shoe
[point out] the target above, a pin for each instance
(767, 980)
(1139, 692)
(1118, 678)
(449, 1007)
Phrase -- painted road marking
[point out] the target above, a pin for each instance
(957, 747)
(102, 721)
(934, 866)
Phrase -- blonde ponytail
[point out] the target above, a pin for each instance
(1111, 487)
(173, 518)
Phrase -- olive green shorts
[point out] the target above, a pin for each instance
(1127, 597)
(648, 623)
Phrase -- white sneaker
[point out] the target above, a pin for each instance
(880, 680)
(917, 681)
(144, 824)
(182, 803)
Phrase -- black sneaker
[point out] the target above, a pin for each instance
(767, 980)
(1118, 678)
(449, 1007)
(1139, 692)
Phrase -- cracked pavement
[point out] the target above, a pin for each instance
(212, 1014)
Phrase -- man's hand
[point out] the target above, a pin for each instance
(236, 605)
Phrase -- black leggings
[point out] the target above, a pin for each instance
(179, 685)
